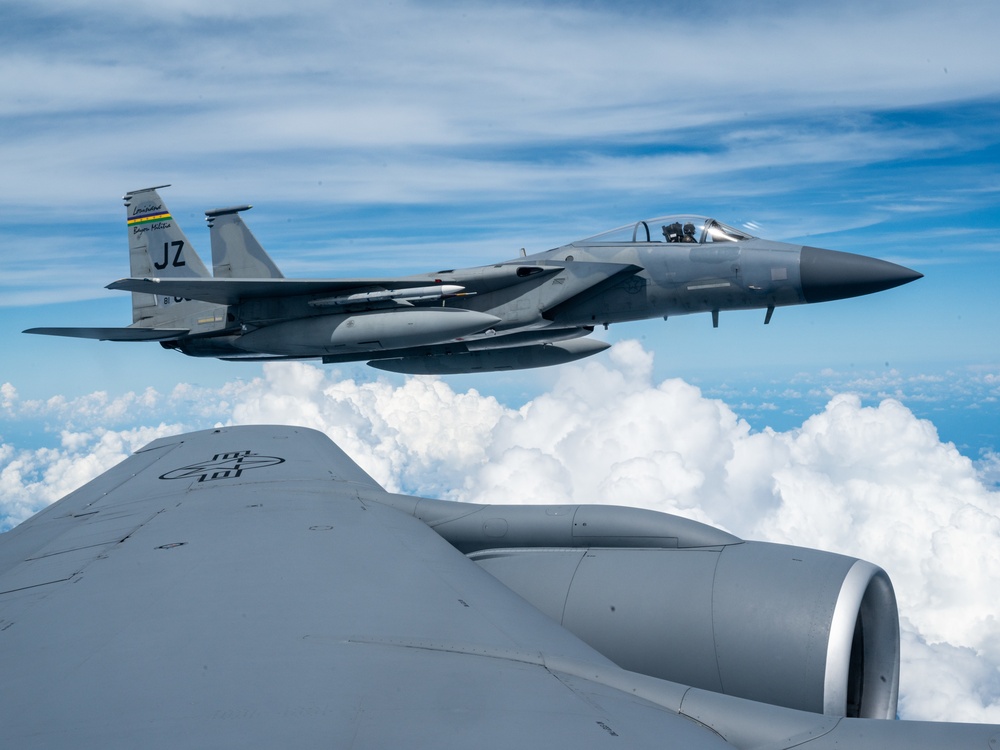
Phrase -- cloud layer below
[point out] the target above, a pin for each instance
(870, 481)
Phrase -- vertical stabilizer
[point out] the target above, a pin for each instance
(236, 253)
(159, 248)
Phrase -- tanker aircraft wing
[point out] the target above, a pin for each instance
(513, 314)
(253, 587)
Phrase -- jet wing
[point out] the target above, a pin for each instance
(243, 587)
(234, 291)
(346, 292)
(113, 334)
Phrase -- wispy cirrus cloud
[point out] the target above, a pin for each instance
(347, 79)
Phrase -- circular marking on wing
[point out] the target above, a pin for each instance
(223, 466)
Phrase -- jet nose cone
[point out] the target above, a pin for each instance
(829, 274)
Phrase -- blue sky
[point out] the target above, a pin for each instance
(407, 136)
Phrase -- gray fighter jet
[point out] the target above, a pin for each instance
(252, 587)
(532, 311)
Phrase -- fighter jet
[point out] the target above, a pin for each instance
(253, 587)
(531, 311)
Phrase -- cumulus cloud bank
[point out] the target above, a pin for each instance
(871, 481)
(32, 479)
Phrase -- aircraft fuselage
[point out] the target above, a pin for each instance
(531, 311)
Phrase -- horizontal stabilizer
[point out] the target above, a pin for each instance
(113, 334)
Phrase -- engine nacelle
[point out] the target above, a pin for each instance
(784, 625)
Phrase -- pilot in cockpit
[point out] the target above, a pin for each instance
(689, 234)
(672, 232)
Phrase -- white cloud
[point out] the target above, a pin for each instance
(988, 467)
(874, 482)
(953, 683)
(423, 435)
(870, 481)
(32, 479)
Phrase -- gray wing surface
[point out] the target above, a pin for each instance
(233, 291)
(252, 587)
(113, 334)
(243, 587)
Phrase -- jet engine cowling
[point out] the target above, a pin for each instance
(784, 625)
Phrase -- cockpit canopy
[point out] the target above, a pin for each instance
(694, 230)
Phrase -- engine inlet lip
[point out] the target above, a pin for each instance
(866, 595)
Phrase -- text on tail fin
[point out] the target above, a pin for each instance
(158, 247)
(157, 244)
